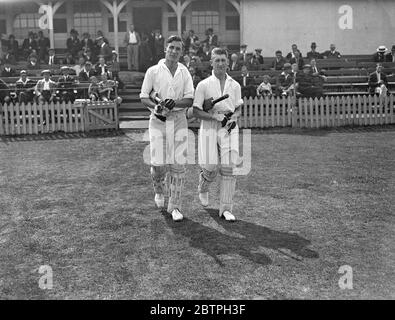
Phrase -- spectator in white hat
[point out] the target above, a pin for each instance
(379, 55)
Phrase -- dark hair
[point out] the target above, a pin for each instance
(219, 51)
(279, 51)
(174, 38)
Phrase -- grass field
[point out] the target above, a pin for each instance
(314, 201)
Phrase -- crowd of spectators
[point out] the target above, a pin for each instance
(93, 61)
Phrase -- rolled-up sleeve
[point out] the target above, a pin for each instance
(188, 88)
(199, 96)
(148, 84)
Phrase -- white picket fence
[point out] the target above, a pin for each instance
(18, 119)
(358, 110)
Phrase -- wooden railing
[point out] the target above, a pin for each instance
(355, 110)
(19, 119)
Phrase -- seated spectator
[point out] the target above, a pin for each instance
(297, 59)
(86, 74)
(33, 63)
(9, 58)
(80, 66)
(106, 89)
(93, 90)
(379, 55)
(265, 88)
(73, 44)
(390, 57)
(258, 56)
(235, 64)
(89, 56)
(206, 54)
(52, 58)
(197, 47)
(29, 45)
(86, 42)
(313, 54)
(69, 60)
(211, 38)
(8, 71)
(101, 67)
(278, 63)
(378, 81)
(247, 83)
(285, 83)
(42, 47)
(13, 47)
(251, 63)
(45, 88)
(195, 78)
(294, 49)
(5, 93)
(24, 88)
(190, 40)
(243, 54)
(331, 53)
(66, 86)
(315, 70)
(104, 49)
(308, 85)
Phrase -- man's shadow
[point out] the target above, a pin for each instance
(250, 239)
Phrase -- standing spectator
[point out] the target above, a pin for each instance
(258, 56)
(42, 47)
(7, 70)
(331, 53)
(45, 88)
(285, 81)
(211, 38)
(190, 40)
(313, 54)
(390, 57)
(24, 88)
(114, 69)
(87, 72)
(5, 94)
(52, 59)
(379, 55)
(279, 61)
(73, 43)
(132, 42)
(29, 45)
(235, 64)
(294, 49)
(145, 54)
(105, 50)
(378, 81)
(13, 47)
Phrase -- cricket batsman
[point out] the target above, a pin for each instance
(168, 91)
(217, 103)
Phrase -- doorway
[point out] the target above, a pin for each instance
(147, 19)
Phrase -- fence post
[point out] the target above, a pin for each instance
(391, 108)
(86, 124)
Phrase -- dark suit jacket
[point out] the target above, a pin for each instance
(26, 46)
(188, 41)
(314, 55)
(236, 67)
(106, 52)
(289, 55)
(329, 55)
(84, 76)
(214, 40)
(10, 58)
(278, 65)
(56, 60)
(13, 48)
(29, 66)
(300, 62)
(379, 57)
(388, 57)
(373, 81)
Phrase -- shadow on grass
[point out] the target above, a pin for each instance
(61, 136)
(251, 238)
